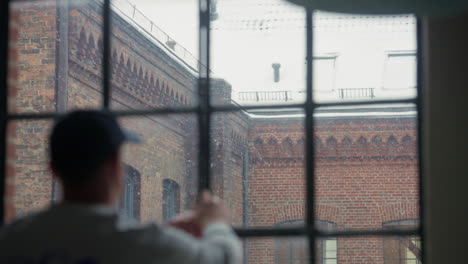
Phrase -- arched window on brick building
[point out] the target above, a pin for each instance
(401, 250)
(130, 201)
(295, 250)
(171, 199)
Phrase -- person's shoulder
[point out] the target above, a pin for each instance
(154, 235)
(19, 224)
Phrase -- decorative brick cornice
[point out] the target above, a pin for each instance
(278, 162)
(374, 148)
(127, 74)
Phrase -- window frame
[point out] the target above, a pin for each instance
(130, 192)
(321, 245)
(328, 56)
(388, 56)
(171, 193)
(395, 225)
(204, 111)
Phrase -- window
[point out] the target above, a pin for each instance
(327, 247)
(404, 249)
(171, 199)
(400, 71)
(130, 202)
(324, 73)
(298, 149)
(294, 250)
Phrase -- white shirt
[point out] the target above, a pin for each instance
(79, 234)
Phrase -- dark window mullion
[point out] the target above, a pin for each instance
(301, 231)
(309, 130)
(106, 53)
(204, 110)
(420, 133)
(5, 16)
(226, 108)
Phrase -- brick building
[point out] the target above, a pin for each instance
(366, 158)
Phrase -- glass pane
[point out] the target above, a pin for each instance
(330, 244)
(55, 56)
(392, 248)
(284, 250)
(258, 165)
(258, 52)
(399, 71)
(403, 249)
(300, 249)
(368, 250)
(364, 58)
(29, 183)
(366, 163)
(154, 47)
(165, 164)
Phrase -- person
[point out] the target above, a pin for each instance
(85, 156)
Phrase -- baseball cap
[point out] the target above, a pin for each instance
(84, 139)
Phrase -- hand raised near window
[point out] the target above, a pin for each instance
(209, 209)
(187, 222)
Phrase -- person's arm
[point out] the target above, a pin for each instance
(218, 245)
(217, 241)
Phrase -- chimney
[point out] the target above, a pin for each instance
(276, 71)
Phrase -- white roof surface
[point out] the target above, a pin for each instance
(250, 35)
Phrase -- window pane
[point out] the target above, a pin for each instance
(368, 55)
(400, 71)
(361, 250)
(258, 165)
(330, 245)
(283, 249)
(129, 204)
(56, 56)
(166, 164)
(366, 166)
(258, 52)
(154, 47)
(324, 73)
(29, 184)
(171, 199)
(403, 249)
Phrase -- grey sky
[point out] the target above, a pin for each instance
(251, 35)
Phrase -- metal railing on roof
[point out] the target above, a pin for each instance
(269, 96)
(287, 96)
(352, 93)
(131, 11)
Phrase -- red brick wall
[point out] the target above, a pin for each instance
(361, 181)
(32, 89)
(147, 78)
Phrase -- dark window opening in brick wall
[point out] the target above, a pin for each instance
(295, 250)
(404, 249)
(171, 199)
(129, 205)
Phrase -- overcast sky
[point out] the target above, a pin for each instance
(178, 18)
(251, 35)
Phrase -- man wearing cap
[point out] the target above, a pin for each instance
(85, 156)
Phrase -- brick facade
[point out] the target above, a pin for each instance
(366, 174)
(366, 167)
